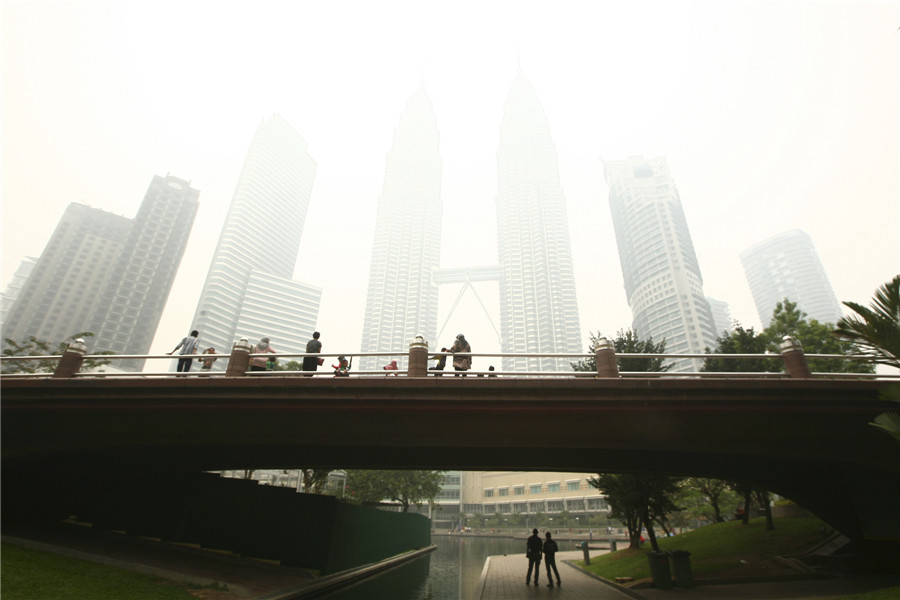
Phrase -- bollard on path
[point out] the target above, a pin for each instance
(70, 363)
(418, 358)
(240, 359)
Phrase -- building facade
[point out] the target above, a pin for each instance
(721, 315)
(129, 308)
(249, 291)
(538, 305)
(15, 285)
(661, 272)
(787, 266)
(402, 295)
(107, 274)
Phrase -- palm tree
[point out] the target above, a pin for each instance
(876, 330)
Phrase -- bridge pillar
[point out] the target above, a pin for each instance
(240, 359)
(605, 355)
(418, 358)
(72, 358)
(794, 360)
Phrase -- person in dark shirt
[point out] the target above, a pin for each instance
(550, 550)
(533, 552)
(313, 346)
(440, 364)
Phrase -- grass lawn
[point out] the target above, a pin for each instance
(32, 575)
(721, 551)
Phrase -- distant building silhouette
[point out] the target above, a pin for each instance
(108, 274)
(249, 291)
(659, 266)
(721, 316)
(787, 266)
(538, 305)
(402, 295)
(15, 285)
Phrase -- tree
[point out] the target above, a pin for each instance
(741, 341)
(876, 330)
(402, 487)
(36, 347)
(628, 342)
(315, 480)
(638, 500)
(706, 498)
(815, 337)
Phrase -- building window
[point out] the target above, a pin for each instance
(535, 488)
(504, 491)
(553, 487)
(519, 490)
(489, 493)
(573, 485)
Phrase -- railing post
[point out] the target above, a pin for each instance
(418, 358)
(70, 363)
(795, 364)
(240, 359)
(605, 356)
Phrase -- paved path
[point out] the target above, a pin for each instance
(503, 578)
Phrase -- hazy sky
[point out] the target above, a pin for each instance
(773, 116)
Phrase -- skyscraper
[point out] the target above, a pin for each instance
(108, 274)
(249, 291)
(538, 306)
(659, 266)
(787, 266)
(402, 297)
(14, 287)
(721, 316)
(128, 310)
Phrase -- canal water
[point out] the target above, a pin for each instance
(449, 573)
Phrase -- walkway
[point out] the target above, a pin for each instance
(503, 578)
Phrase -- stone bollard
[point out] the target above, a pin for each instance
(605, 355)
(587, 554)
(239, 362)
(794, 360)
(418, 358)
(70, 363)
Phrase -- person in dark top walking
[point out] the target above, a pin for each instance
(533, 552)
(311, 363)
(550, 550)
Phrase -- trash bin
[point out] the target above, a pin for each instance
(659, 570)
(587, 554)
(612, 545)
(681, 567)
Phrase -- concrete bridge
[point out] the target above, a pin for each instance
(808, 439)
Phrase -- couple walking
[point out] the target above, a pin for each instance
(533, 552)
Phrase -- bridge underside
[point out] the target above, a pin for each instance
(807, 440)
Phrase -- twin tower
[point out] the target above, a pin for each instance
(538, 306)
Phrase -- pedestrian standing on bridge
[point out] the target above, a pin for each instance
(533, 552)
(188, 347)
(259, 363)
(462, 361)
(313, 346)
(550, 550)
(441, 362)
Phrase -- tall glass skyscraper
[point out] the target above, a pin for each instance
(402, 297)
(787, 266)
(249, 291)
(659, 266)
(538, 306)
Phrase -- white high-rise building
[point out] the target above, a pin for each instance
(787, 266)
(659, 266)
(721, 316)
(249, 291)
(402, 297)
(538, 306)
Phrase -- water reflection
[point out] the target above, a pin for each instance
(449, 573)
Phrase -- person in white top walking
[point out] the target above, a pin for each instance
(188, 348)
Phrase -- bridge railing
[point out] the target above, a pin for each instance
(794, 360)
